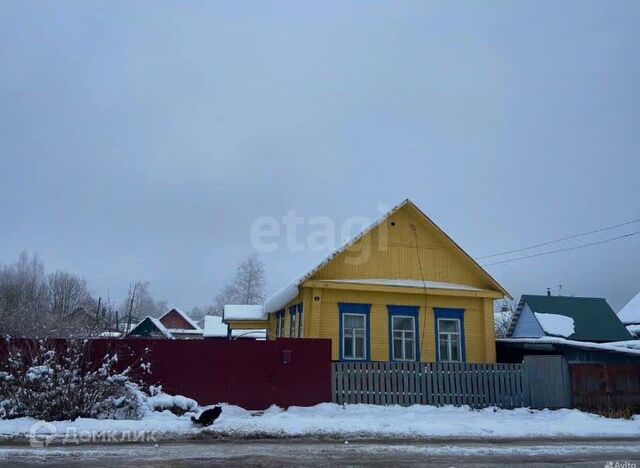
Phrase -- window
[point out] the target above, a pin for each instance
(300, 313)
(354, 328)
(403, 333)
(292, 321)
(404, 338)
(280, 324)
(449, 340)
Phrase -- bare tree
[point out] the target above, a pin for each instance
(247, 286)
(23, 296)
(136, 297)
(503, 314)
(67, 292)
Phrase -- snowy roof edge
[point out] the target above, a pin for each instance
(183, 315)
(289, 292)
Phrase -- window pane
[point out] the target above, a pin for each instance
(444, 350)
(448, 325)
(455, 349)
(348, 347)
(353, 321)
(397, 349)
(402, 323)
(409, 349)
(359, 348)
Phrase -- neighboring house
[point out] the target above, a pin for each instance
(630, 316)
(401, 290)
(180, 325)
(214, 328)
(173, 324)
(150, 327)
(583, 329)
(587, 319)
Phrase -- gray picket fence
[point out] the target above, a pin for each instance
(408, 383)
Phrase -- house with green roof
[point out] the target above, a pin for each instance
(588, 319)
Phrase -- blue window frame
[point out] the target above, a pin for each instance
(355, 335)
(404, 336)
(450, 342)
(300, 316)
(292, 321)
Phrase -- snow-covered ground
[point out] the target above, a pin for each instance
(350, 421)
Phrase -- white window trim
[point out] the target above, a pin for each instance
(364, 336)
(458, 333)
(393, 341)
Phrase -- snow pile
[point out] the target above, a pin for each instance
(554, 324)
(175, 404)
(630, 313)
(363, 421)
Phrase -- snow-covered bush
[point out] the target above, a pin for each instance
(55, 381)
(177, 404)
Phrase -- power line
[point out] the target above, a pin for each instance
(604, 241)
(607, 228)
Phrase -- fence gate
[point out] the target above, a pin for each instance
(548, 380)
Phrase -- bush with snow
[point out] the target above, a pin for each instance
(58, 381)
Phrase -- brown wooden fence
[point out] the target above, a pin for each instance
(387, 383)
(606, 387)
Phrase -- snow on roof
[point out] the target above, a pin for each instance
(185, 331)
(158, 324)
(288, 293)
(616, 346)
(244, 312)
(408, 283)
(214, 327)
(634, 329)
(554, 324)
(184, 316)
(630, 313)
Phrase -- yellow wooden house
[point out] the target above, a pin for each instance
(401, 290)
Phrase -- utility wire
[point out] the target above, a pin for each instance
(607, 228)
(604, 241)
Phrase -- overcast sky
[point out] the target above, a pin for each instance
(140, 140)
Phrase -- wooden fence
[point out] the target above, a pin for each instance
(387, 383)
(606, 387)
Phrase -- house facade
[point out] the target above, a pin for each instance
(401, 290)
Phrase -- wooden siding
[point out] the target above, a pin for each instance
(479, 341)
(527, 325)
(392, 251)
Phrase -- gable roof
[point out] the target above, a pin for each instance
(288, 293)
(593, 319)
(630, 313)
(188, 319)
(155, 323)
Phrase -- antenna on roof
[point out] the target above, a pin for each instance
(559, 290)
